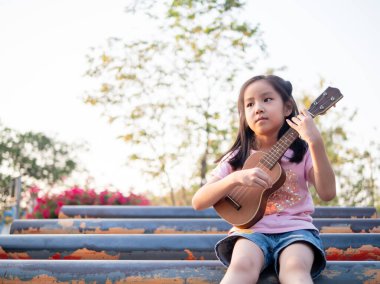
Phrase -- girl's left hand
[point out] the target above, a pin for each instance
(305, 126)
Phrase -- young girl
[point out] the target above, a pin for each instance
(285, 237)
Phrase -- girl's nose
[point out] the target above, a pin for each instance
(259, 108)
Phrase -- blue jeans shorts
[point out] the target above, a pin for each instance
(272, 245)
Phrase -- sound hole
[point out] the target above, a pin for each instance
(236, 205)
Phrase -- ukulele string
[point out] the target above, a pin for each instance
(266, 163)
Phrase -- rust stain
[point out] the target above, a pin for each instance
(214, 229)
(3, 254)
(66, 223)
(155, 280)
(191, 256)
(19, 255)
(336, 229)
(331, 273)
(13, 255)
(196, 280)
(85, 253)
(374, 274)
(82, 225)
(365, 252)
(27, 231)
(346, 229)
(62, 216)
(40, 279)
(56, 256)
(50, 231)
(166, 230)
(375, 230)
(119, 230)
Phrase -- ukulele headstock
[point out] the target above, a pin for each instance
(325, 101)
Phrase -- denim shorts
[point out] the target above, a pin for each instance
(272, 245)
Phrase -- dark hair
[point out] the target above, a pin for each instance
(245, 141)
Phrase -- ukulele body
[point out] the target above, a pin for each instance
(244, 206)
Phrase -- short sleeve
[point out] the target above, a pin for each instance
(223, 169)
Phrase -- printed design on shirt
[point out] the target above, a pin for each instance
(286, 196)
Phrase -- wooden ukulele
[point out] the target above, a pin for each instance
(244, 206)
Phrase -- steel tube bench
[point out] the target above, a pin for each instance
(169, 226)
(157, 212)
(161, 247)
(179, 272)
(156, 244)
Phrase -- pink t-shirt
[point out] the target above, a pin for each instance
(289, 207)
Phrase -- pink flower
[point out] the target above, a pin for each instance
(49, 206)
(46, 213)
(34, 190)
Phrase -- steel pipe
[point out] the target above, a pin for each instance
(169, 226)
(161, 247)
(181, 272)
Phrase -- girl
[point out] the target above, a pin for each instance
(285, 237)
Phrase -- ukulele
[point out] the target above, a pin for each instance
(244, 206)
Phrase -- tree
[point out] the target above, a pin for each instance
(356, 169)
(172, 93)
(34, 156)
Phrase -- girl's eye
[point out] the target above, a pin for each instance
(268, 99)
(249, 104)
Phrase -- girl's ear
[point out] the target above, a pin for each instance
(288, 108)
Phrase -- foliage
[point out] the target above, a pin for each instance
(34, 156)
(356, 169)
(172, 92)
(172, 95)
(48, 205)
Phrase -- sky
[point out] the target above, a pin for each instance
(43, 60)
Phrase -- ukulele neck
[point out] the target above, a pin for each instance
(278, 149)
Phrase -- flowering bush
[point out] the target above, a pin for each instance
(48, 206)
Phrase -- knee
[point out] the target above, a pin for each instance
(296, 268)
(246, 265)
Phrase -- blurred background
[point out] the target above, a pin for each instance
(131, 102)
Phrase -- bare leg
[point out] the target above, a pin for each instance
(295, 263)
(246, 263)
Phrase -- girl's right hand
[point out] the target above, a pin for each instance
(254, 177)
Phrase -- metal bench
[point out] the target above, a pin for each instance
(159, 212)
(181, 272)
(161, 247)
(169, 226)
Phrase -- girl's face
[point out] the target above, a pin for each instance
(264, 109)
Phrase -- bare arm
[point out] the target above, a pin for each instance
(213, 191)
(322, 174)
(217, 188)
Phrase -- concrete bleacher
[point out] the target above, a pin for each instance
(152, 244)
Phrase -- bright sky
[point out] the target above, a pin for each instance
(44, 43)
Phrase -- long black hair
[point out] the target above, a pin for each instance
(245, 141)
